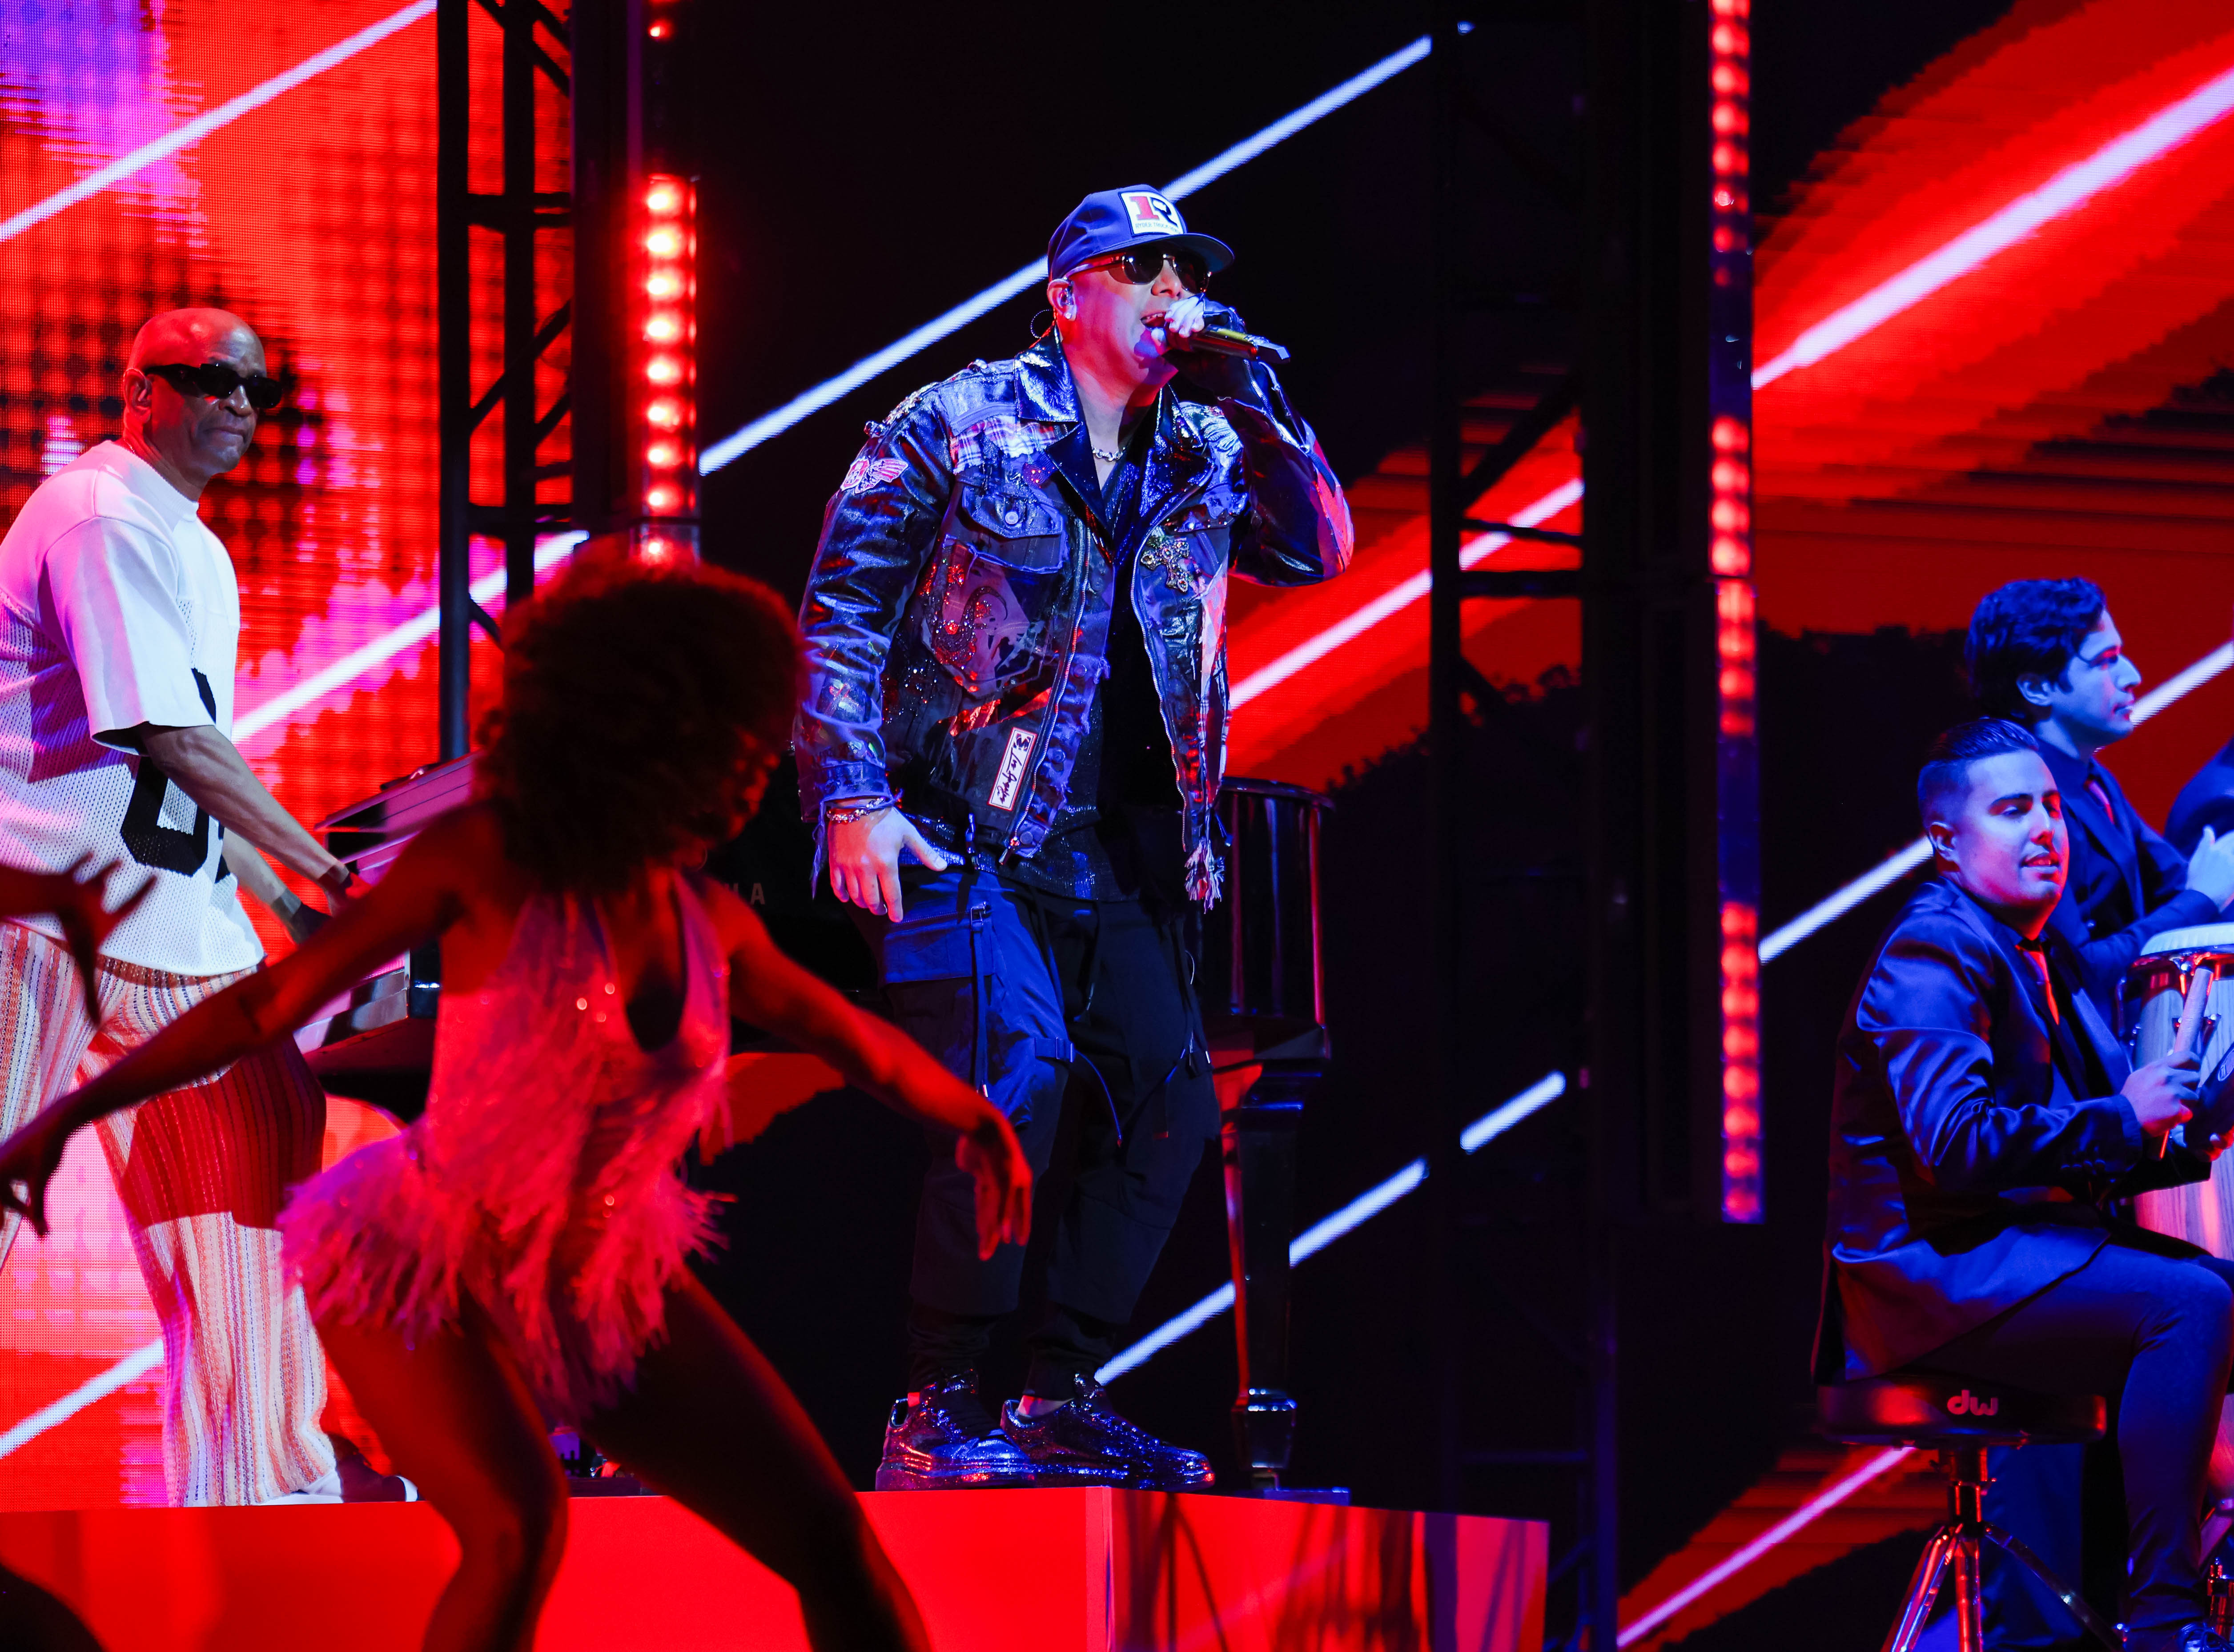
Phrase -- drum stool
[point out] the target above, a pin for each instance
(1959, 1419)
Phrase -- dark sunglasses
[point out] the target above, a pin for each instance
(217, 382)
(1143, 265)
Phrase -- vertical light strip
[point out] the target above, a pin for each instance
(201, 126)
(667, 499)
(1729, 550)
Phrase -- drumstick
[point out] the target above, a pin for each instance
(2191, 1012)
(2190, 1018)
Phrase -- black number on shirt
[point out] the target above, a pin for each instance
(148, 841)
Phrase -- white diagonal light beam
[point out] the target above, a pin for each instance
(870, 367)
(202, 124)
(386, 646)
(2067, 192)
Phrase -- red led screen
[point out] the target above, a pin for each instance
(277, 161)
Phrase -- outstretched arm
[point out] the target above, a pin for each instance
(770, 991)
(417, 899)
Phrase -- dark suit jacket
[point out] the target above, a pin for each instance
(2127, 884)
(1973, 1143)
(2206, 800)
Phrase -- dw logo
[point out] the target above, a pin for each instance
(1967, 1404)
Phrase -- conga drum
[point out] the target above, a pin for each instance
(2155, 990)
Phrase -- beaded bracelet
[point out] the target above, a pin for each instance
(847, 813)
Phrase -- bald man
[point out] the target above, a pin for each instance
(118, 620)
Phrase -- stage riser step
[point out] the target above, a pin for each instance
(1093, 1570)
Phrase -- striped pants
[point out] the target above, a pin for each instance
(201, 1172)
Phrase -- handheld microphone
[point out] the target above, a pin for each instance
(1231, 341)
(1221, 340)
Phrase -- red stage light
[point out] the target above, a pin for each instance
(665, 488)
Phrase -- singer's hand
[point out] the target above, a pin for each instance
(1185, 317)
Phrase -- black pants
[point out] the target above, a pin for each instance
(2155, 1333)
(1039, 998)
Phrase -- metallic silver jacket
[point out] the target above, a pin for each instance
(957, 619)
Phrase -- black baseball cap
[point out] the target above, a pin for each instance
(1115, 220)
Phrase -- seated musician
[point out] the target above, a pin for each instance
(1982, 1120)
(2045, 653)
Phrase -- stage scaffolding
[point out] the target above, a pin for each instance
(621, 135)
(1667, 1064)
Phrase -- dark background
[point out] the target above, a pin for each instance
(928, 152)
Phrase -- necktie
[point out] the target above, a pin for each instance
(2036, 955)
(2100, 793)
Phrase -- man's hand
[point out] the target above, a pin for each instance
(995, 1162)
(1222, 376)
(2162, 1093)
(2211, 868)
(865, 860)
(299, 919)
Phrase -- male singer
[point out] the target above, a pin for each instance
(1983, 1123)
(1016, 635)
(119, 619)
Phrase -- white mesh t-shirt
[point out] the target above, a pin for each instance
(117, 608)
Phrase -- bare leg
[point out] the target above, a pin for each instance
(711, 1424)
(457, 1418)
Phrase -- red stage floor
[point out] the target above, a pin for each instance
(1031, 1571)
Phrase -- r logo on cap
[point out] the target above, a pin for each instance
(1149, 212)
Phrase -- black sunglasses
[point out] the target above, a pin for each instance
(1143, 265)
(217, 382)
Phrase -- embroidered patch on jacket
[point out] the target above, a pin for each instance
(865, 473)
(1149, 213)
(998, 438)
(1008, 782)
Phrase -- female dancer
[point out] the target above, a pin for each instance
(515, 1258)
